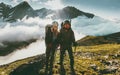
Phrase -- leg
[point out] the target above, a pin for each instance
(47, 60)
(71, 60)
(62, 70)
(52, 60)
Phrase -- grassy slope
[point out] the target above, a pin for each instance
(86, 58)
(97, 40)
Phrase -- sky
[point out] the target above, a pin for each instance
(108, 9)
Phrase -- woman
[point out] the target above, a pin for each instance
(51, 46)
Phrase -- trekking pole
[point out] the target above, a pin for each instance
(75, 49)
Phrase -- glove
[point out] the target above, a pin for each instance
(75, 44)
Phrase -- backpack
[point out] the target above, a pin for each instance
(48, 28)
(48, 34)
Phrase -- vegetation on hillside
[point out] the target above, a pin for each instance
(113, 38)
(89, 60)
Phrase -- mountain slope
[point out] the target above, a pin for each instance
(4, 10)
(89, 60)
(68, 12)
(24, 9)
(26, 66)
(97, 40)
(21, 10)
(9, 47)
(43, 12)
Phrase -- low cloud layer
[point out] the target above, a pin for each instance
(25, 29)
(34, 28)
(96, 26)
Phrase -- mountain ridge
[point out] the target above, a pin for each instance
(113, 38)
(22, 9)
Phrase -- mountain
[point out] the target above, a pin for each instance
(4, 10)
(9, 47)
(24, 9)
(21, 10)
(97, 40)
(43, 12)
(68, 12)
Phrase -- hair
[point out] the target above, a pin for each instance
(55, 23)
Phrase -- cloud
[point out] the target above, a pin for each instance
(27, 0)
(35, 0)
(15, 1)
(96, 26)
(54, 4)
(25, 29)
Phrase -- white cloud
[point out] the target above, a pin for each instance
(24, 29)
(95, 26)
(19, 33)
(35, 0)
(27, 0)
(54, 4)
(15, 1)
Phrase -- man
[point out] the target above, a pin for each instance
(66, 39)
(51, 45)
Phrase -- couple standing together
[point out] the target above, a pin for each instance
(65, 38)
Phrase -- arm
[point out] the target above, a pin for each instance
(73, 37)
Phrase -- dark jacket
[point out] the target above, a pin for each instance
(51, 38)
(66, 37)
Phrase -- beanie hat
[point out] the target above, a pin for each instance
(67, 22)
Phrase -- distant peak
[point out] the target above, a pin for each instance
(24, 3)
(2, 3)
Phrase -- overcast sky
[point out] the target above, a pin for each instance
(106, 8)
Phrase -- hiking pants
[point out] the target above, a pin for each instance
(50, 54)
(62, 52)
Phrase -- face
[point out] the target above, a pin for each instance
(55, 27)
(67, 26)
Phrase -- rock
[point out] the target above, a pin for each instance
(32, 68)
(108, 71)
(94, 67)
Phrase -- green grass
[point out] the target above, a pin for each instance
(95, 54)
(84, 57)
